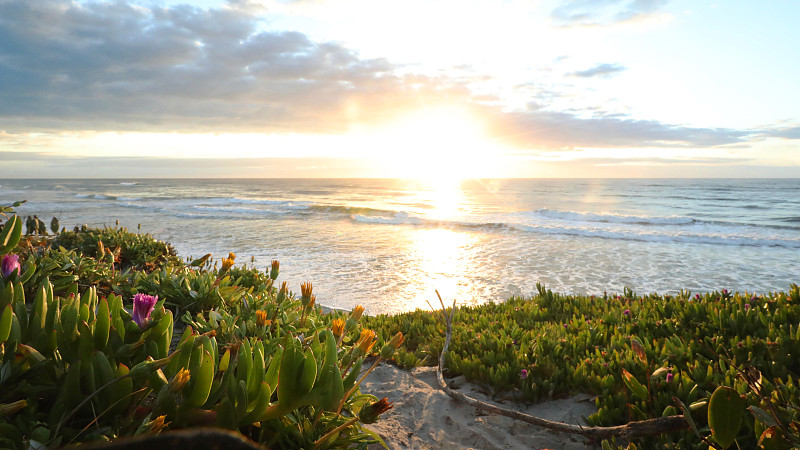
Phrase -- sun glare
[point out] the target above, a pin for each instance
(441, 255)
(444, 143)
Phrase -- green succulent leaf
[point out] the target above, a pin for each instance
(725, 410)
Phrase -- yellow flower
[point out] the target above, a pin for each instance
(366, 341)
(227, 263)
(337, 327)
(261, 318)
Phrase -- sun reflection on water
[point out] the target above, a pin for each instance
(443, 261)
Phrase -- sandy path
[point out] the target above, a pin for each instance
(424, 417)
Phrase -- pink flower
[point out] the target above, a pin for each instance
(523, 374)
(627, 312)
(142, 307)
(9, 265)
(670, 376)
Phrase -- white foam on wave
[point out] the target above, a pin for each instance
(654, 236)
(574, 216)
(399, 218)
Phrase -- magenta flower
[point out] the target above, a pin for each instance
(523, 374)
(746, 306)
(627, 312)
(142, 307)
(670, 376)
(9, 265)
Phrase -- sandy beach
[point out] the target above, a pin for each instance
(424, 417)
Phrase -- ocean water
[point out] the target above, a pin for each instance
(389, 244)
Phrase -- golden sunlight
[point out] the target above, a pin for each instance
(440, 143)
(441, 256)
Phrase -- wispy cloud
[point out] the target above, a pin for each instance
(605, 12)
(553, 130)
(600, 70)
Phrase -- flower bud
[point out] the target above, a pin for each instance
(143, 305)
(273, 273)
(10, 265)
(388, 349)
(179, 381)
(305, 292)
(355, 316)
(370, 413)
(282, 293)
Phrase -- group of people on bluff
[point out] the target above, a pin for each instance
(35, 225)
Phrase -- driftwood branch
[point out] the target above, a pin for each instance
(630, 430)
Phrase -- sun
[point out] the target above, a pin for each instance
(438, 143)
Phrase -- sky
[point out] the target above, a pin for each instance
(407, 89)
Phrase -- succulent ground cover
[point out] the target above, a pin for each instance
(643, 356)
(89, 351)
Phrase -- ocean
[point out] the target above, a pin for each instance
(389, 244)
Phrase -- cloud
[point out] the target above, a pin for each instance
(782, 133)
(114, 65)
(553, 130)
(600, 70)
(605, 12)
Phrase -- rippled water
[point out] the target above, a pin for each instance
(388, 244)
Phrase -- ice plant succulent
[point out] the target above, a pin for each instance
(142, 307)
(9, 265)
